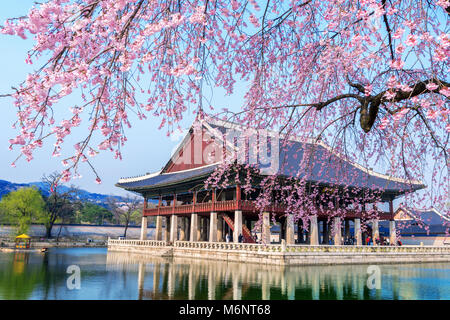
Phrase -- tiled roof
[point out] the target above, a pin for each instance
(323, 165)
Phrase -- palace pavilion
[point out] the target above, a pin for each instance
(177, 197)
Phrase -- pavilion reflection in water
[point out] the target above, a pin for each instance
(174, 278)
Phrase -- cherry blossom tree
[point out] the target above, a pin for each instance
(367, 77)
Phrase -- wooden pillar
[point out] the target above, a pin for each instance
(290, 229)
(265, 233)
(213, 227)
(144, 228)
(194, 228)
(300, 231)
(313, 230)
(174, 202)
(391, 209)
(174, 228)
(358, 235)
(158, 231)
(187, 228)
(337, 231)
(282, 235)
(237, 225)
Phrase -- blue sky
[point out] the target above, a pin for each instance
(147, 149)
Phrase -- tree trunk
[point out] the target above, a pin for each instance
(59, 232)
(48, 231)
(126, 228)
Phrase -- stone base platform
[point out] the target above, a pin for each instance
(282, 254)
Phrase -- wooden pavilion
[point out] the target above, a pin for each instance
(191, 213)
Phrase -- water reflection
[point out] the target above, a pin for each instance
(176, 278)
(17, 279)
(112, 275)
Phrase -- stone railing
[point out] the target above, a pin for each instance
(253, 247)
(367, 249)
(133, 242)
(225, 246)
(309, 248)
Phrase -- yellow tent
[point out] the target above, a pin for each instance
(23, 241)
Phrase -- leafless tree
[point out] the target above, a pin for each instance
(123, 210)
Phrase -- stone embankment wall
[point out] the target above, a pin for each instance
(282, 255)
(81, 231)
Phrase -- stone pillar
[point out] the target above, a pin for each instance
(290, 239)
(220, 228)
(314, 231)
(194, 228)
(237, 290)
(191, 281)
(358, 235)
(167, 229)
(144, 228)
(174, 228)
(182, 229)
(158, 231)
(141, 276)
(237, 225)
(392, 233)
(375, 231)
(337, 231)
(213, 227)
(265, 232)
(211, 283)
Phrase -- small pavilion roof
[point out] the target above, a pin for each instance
(23, 236)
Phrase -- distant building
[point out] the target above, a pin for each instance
(427, 226)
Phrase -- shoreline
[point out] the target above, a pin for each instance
(40, 245)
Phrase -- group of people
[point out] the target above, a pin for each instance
(228, 238)
(380, 241)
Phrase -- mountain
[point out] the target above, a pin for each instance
(83, 195)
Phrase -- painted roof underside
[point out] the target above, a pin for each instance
(320, 165)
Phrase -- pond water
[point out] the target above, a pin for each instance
(111, 275)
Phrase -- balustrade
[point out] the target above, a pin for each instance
(299, 248)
